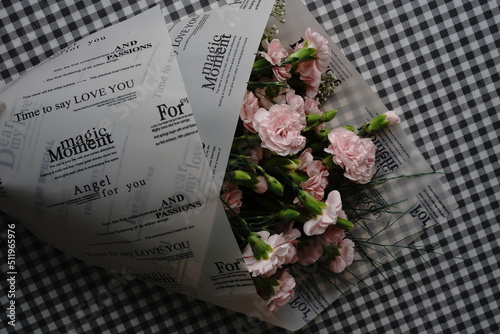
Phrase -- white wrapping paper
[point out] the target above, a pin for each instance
(101, 158)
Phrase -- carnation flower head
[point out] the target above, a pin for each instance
(316, 47)
(320, 43)
(281, 73)
(309, 165)
(345, 257)
(317, 173)
(295, 102)
(261, 185)
(256, 154)
(381, 122)
(392, 118)
(356, 155)
(265, 253)
(291, 237)
(275, 53)
(280, 129)
(328, 216)
(283, 292)
(231, 195)
(311, 76)
(246, 179)
(248, 109)
(317, 181)
(311, 106)
(305, 159)
(333, 235)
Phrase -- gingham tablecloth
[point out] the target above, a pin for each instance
(436, 62)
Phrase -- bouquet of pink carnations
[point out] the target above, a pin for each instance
(289, 176)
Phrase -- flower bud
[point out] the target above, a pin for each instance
(298, 178)
(274, 185)
(259, 247)
(310, 203)
(240, 176)
(255, 182)
(288, 214)
(392, 118)
(281, 164)
(376, 124)
(344, 224)
(350, 128)
(328, 115)
(313, 118)
(381, 122)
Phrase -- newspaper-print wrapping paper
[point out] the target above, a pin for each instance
(143, 200)
(101, 158)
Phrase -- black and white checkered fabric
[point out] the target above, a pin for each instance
(437, 62)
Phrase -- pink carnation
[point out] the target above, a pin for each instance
(291, 237)
(320, 43)
(346, 257)
(317, 181)
(296, 103)
(232, 196)
(256, 154)
(356, 155)
(317, 173)
(305, 159)
(282, 293)
(311, 76)
(333, 235)
(310, 70)
(248, 109)
(279, 129)
(281, 73)
(328, 216)
(311, 106)
(276, 258)
(310, 253)
(275, 52)
(392, 118)
(261, 186)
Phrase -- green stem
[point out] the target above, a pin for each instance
(249, 162)
(266, 84)
(421, 249)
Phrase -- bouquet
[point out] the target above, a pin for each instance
(132, 152)
(283, 190)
